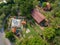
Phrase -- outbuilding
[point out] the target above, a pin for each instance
(39, 18)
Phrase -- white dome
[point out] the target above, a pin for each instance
(4, 1)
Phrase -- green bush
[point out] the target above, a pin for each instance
(56, 40)
(44, 4)
(10, 36)
(58, 32)
(48, 33)
(36, 40)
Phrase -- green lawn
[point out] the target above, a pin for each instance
(35, 30)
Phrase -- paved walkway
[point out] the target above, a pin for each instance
(3, 40)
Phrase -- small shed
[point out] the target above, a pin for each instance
(38, 16)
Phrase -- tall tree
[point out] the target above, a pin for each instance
(48, 33)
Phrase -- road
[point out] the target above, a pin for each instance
(3, 40)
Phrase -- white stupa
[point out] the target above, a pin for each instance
(4, 1)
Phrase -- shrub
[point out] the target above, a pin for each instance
(58, 32)
(44, 4)
(36, 40)
(48, 33)
(10, 36)
(56, 40)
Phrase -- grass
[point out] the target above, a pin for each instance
(38, 30)
(35, 30)
(32, 31)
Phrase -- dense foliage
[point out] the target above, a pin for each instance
(48, 33)
(16, 7)
(56, 40)
(36, 40)
(10, 36)
(24, 8)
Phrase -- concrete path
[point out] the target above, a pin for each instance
(3, 40)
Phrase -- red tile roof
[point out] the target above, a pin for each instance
(37, 16)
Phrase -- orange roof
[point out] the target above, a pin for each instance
(23, 22)
(14, 30)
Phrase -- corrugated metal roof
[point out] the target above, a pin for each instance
(38, 16)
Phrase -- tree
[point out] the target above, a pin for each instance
(51, 1)
(44, 4)
(56, 40)
(57, 32)
(36, 40)
(25, 7)
(56, 11)
(10, 1)
(10, 36)
(6, 9)
(55, 22)
(48, 33)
